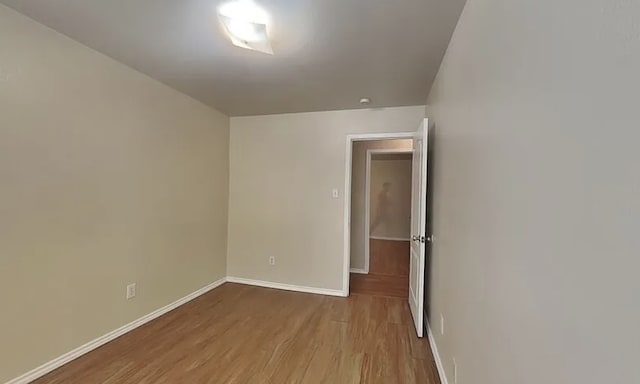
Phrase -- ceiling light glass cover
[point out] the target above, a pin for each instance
(246, 25)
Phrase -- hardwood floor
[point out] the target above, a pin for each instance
(242, 334)
(388, 270)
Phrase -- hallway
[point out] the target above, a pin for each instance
(388, 270)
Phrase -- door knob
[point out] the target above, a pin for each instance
(422, 239)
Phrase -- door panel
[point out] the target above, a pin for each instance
(418, 226)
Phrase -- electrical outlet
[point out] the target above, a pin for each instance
(455, 371)
(272, 260)
(441, 324)
(131, 291)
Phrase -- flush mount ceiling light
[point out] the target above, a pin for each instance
(246, 25)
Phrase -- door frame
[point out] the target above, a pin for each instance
(350, 139)
(367, 198)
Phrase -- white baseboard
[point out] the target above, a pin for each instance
(93, 344)
(436, 356)
(287, 287)
(388, 238)
(358, 270)
(90, 346)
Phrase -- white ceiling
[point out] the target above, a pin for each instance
(328, 53)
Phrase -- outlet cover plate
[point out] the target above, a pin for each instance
(131, 291)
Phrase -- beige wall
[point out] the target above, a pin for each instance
(537, 193)
(106, 177)
(283, 168)
(358, 193)
(396, 170)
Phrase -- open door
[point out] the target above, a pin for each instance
(418, 226)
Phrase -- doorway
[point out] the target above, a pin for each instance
(381, 224)
(418, 213)
(388, 194)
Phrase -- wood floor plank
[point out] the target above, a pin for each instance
(240, 334)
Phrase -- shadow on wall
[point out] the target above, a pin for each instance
(390, 196)
(382, 211)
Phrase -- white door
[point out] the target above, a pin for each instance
(418, 226)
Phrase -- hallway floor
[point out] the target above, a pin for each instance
(388, 270)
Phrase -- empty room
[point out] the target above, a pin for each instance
(319, 191)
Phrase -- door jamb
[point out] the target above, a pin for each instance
(350, 139)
